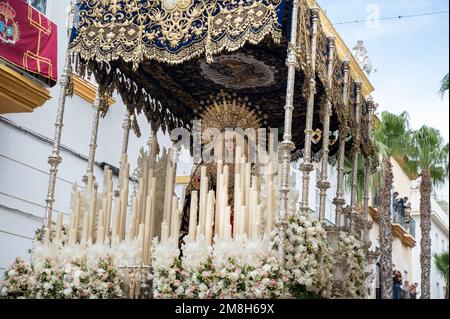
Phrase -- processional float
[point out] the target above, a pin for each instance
(170, 59)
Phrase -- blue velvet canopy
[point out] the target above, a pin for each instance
(170, 58)
(172, 31)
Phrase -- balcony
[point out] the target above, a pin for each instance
(402, 228)
(28, 56)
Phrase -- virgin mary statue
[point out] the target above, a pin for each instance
(229, 129)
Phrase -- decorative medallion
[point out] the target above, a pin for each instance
(238, 71)
(9, 29)
(170, 5)
(317, 136)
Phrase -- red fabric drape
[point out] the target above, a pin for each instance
(28, 39)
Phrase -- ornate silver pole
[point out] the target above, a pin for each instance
(94, 133)
(324, 184)
(339, 201)
(287, 146)
(55, 159)
(307, 167)
(355, 156)
(126, 125)
(367, 178)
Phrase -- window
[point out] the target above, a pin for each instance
(40, 5)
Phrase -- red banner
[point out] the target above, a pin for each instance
(28, 39)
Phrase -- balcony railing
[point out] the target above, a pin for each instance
(398, 215)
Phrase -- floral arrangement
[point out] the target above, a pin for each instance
(70, 271)
(308, 261)
(352, 251)
(231, 269)
(17, 280)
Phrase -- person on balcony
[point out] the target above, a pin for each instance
(397, 281)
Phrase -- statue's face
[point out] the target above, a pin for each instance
(230, 142)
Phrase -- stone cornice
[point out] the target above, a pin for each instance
(86, 90)
(397, 230)
(19, 94)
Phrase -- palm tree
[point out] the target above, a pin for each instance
(348, 177)
(441, 262)
(444, 85)
(391, 137)
(429, 159)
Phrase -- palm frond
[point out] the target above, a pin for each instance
(429, 153)
(441, 262)
(444, 85)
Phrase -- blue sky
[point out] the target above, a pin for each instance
(410, 55)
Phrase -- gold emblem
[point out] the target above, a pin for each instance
(9, 29)
(170, 5)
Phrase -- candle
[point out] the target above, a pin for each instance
(85, 230)
(116, 219)
(164, 232)
(269, 208)
(147, 235)
(193, 215)
(199, 233)
(134, 216)
(209, 217)
(242, 223)
(227, 217)
(153, 209)
(228, 232)
(76, 225)
(173, 218)
(140, 239)
(59, 221)
(108, 213)
(92, 213)
(203, 197)
(248, 169)
(218, 213)
(258, 221)
(100, 228)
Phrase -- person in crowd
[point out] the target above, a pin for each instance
(405, 293)
(413, 290)
(397, 284)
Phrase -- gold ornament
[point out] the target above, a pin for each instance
(225, 114)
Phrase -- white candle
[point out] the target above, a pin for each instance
(228, 232)
(116, 219)
(108, 213)
(92, 213)
(227, 217)
(209, 217)
(193, 215)
(100, 228)
(258, 221)
(153, 209)
(85, 230)
(203, 197)
(174, 219)
(243, 224)
(219, 206)
(164, 232)
(199, 232)
(59, 222)
(269, 208)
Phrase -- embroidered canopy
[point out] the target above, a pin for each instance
(171, 58)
